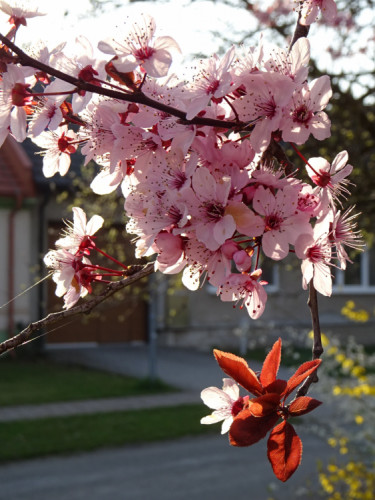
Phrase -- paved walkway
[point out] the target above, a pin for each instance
(67, 409)
(187, 370)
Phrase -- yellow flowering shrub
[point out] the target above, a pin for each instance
(354, 388)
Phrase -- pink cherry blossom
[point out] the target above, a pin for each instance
(293, 63)
(109, 179)
(246, 289)
(213, 80)
(46, 115)
(58, 145)
(207, 205)
(69, 275)
(139, 49)
(97, 134)
(81, 64)
(330, 178)
(309, 201)
(170, 249)
(267, 94)
(78, 236)
(19, 11)
(282, 221)
(304, 114)
(248, 62)
(225, 402)
(14, 97)
(242, 260)
(310, 11)
(203, 263)
(315, 251)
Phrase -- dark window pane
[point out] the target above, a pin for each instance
(371, 259)
(352, 274)
(267, 266)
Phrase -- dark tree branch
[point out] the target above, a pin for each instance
(135, 273)
(275, 150)
(138, 96)
(317, 350)
(300, 32)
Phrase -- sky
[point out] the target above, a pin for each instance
(188, 24)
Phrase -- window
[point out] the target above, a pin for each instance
(270, 273)
(358, 277)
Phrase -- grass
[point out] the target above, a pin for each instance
(36, 438)
(42, 381)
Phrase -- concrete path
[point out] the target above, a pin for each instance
(204, 468)
(188, 370)
(31, 412)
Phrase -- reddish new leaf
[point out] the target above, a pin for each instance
(127, 79)
(284, 450)
(238, 369)
(277, 385)
(271, 365)
(301, 374)
(303, 405)
(264, 405)
(247, 429)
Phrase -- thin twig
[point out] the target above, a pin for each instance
(299, 32)
(135, 273)
(317, 349)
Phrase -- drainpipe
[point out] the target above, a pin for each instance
(18, 198)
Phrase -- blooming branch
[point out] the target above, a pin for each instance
(133, 274)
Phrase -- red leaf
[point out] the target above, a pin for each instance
(301, 374)
(238, 369)
(277, 385)
(271, 364)
(127, 79)
(303, 405)
(247, 429)
(284, 450)
(264, 405)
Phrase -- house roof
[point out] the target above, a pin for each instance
(16, 178)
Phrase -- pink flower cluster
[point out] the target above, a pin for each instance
(202, 196)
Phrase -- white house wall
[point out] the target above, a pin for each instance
(24, 260)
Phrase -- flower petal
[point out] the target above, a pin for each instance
(215, 398)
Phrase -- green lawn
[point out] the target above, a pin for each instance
(35, 438)
(41, 381)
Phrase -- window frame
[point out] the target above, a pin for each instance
(365, 287)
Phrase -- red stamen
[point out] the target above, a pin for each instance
(112, 258)
(303, 158)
